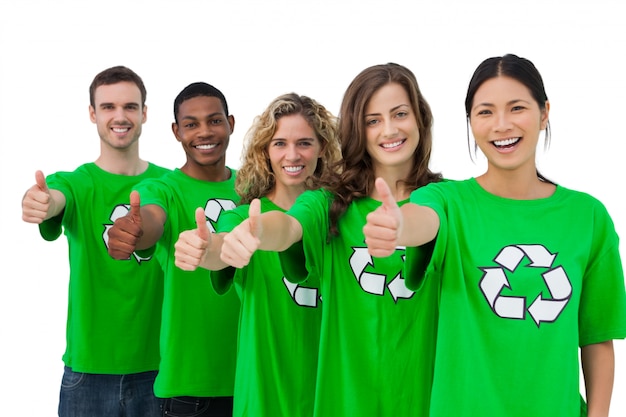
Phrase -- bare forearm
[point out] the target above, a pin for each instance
(420, 225)
(280, 231)
(211, 259)
(57, 204)
(598, 364)
(153, 218)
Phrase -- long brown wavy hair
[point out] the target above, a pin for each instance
(353, 177)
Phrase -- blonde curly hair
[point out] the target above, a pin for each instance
(255, 178)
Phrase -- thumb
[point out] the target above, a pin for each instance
(135, 207)
(254, 214)
(202, 228)
(388, 200)
(40, 179)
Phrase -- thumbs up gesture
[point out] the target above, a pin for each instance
(191, 246)
(36, 202)
(126, 231)
(383, 224)
(241, 243)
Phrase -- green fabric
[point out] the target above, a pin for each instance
(278, 333)
(376, 342)
(114, 307)
(523, 284)
(199, 329)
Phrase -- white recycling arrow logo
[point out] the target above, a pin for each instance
(375, 283)
(214, 208)
(302, 296)
(542, 310)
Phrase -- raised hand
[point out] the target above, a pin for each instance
(241, 243)
(383, 224)
(126, 231)
(36, 201)
(191, 247)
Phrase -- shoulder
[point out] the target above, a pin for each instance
(85, 172)
(446, 186)
(156, 181)
(581, 201)
(318, 195)
(156, 170)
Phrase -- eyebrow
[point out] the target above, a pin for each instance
(131, 103)
(509, 103)
(392, 110)
(298, 139)
(208, 116)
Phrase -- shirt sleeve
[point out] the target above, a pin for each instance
(602, 314)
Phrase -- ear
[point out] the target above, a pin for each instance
(231, 122)
(544, 115)
(144, 112)
(175, 130)
(92, 114)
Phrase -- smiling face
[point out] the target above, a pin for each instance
(204, 130)
(391, 129)
(506, 121)
(118, 114)
(293, 152)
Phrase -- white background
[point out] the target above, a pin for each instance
(253, 51)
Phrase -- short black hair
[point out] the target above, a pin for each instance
(198, 89)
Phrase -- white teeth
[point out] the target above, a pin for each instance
(294, 169)
(204, 147)
(391, 145)
(120, 129)
(506, 142)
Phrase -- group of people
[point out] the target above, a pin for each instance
(333, 273)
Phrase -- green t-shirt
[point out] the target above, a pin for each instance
(524, 283)
(199, 327)
(279, 330)
(114, 307)
(376, 341)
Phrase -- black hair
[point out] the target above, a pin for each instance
(198, 89)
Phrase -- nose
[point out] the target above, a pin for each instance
(503, 122)
(120, 113)
(390, 129)
(204, 130)
(292, 153)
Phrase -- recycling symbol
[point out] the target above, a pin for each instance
(214, 208)
(375, 283)
(120, 210)
(542, 310)
(302, 296)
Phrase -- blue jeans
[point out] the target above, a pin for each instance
(198, 407)
(96, 395)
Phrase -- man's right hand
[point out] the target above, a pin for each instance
(36, 201)
(126, 231)
(191, 246)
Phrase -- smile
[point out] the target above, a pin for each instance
(206, 147)
(294, 169)
(503, 143)
(392, 144)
